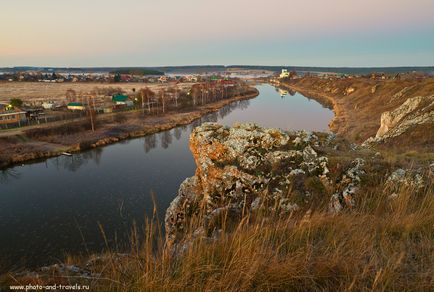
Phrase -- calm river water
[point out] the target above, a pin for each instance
(52, 208)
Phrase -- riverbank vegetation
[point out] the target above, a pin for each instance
(155, 111)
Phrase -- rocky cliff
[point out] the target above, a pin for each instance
(415, 111)
(246, 168)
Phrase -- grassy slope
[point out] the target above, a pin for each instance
(380, 245)
(358, 114)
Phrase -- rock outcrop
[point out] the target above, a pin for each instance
(349, 185)
(349, 90)
(414, 111)
(402, 178)
(246, 168)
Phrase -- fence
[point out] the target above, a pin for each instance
(43, 120)
(156, 108)
(70, 116)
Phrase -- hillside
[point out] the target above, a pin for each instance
(359, 105)
(274, 210)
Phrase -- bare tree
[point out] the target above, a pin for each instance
(163, 99)
(91, 111)
(71, 95)
(176, 95)
(202, 91)
(142, 95)
(195, 93)
(148, 94)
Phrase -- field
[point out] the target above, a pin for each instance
(39, 91)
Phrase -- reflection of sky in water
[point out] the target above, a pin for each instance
(289, 113)
(46, 208)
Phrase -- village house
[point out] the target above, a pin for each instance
(50, 105)
(11, 115)
(191, 78)
(76, 106)
(122, 100)
(163, 79)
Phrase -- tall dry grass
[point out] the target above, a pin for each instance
(383, 244)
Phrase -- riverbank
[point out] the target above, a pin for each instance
(359, 104)
(327, 101)
(53, 140)
(95, 181)
(268, 209)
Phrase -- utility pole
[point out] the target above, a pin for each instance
(163, 99)
(149, 102)
(91, 114)
(143, 102)
(176, 96)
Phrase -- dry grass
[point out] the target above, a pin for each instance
(31, 91)
(359, 113)
(382, 244)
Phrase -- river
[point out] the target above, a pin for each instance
(56, 207)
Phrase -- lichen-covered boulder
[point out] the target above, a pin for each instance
(401, 178)
(243, 169)
(348, 187)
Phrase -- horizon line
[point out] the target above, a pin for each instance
(219, 65)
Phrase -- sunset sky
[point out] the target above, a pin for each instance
(193, 32)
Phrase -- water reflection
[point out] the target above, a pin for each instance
(166, 137)
(177, 133)
(8, 174)
(55, 206)
(75, 162)
(150, 142)
(226, 110)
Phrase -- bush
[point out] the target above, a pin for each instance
(16, 102)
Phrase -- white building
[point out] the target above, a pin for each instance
(284, 73)
(48, 105)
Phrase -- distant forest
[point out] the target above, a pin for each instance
(137, 71)
(198, 69)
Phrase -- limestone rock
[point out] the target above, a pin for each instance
(349, 90)
(242, 169)
(246, 169)
(403, 178)
(348, 186)
(414, 111)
